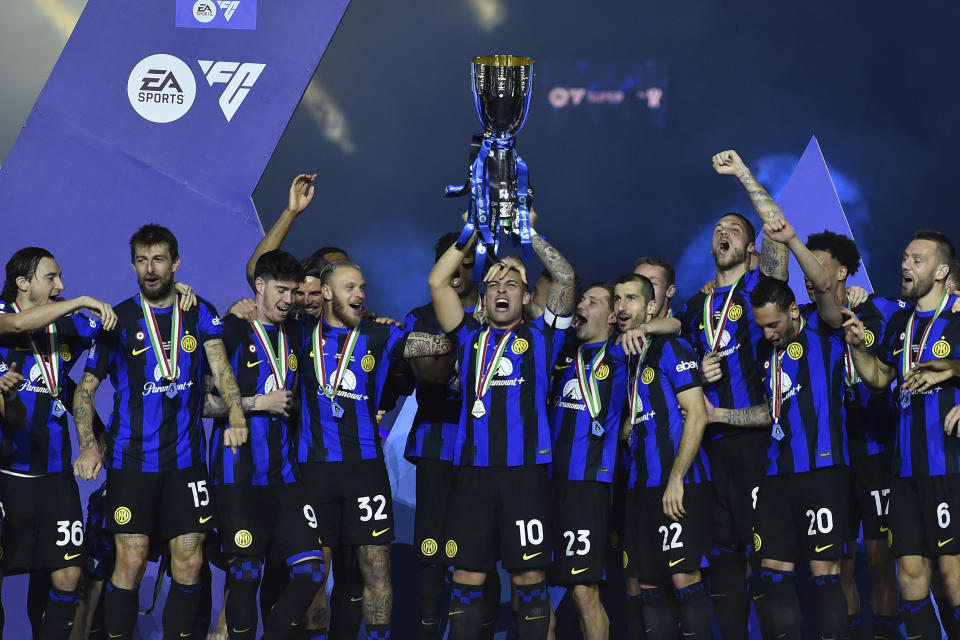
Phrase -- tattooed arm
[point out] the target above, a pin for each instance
(88, 464)
(774, 258)
(226, 383)
(420, 344)
(277, 401)
(560, 297)
(757, 416)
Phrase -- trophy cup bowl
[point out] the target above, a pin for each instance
(501, 92)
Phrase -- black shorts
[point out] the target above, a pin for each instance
(871, 491)
(581, 517)
(924, 517)
(737, 464)
(655, 547)
(803, 512)
(434, 493)
(254, 519)
(162, 505)
(352, 500)
(43, 527)
(500, 512)
(100, 550)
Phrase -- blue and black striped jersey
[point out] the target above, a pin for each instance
(811, 391)
(434, 431)
(923, 449)
(669, 368)
(579, 454)
(514, 429)
(354, 435)
(43, 446)
(266, 458)
(148, 430)
(740, 387)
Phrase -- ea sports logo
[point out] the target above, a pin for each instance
(686, 365)
(504, 368)
(161, 88)
(348, 382)
(204, 11)
(571, 391)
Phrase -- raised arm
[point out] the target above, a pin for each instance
(420, 344)
(446, 302)
(876, 374)
(692, 404)
(88, 464)
(773, 255)
(301, 193)
(560, 297)
(226, 383)
(38, 317)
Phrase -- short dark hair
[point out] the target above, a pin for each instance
(322, 251)
(945, 249)
(22, 264)
(150, 235)
(772, 290)
(444, 242)
(658, 262)
(646, 287)
(606, 286)
(751, 230)
(313, 267)
(840, 247)
(279, 265)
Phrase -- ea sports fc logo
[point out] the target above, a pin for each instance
(161, 88)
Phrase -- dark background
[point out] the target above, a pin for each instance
(872, 81)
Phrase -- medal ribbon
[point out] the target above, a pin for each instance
(345, 354)
(589, 389)
(634, 391)
(485, 373)
(50, 366)
(906, 360)
(714, 333)
(776, 373)
(278, 361)
(168, 366)
(849, 371)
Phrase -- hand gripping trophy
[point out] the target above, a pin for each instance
(498, 181)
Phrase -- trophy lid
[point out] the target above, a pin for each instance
(502, 86)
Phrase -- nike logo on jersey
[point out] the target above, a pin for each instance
(355, 599)
(941, 543)
(453, 613)
(530, 556)
(820, 549)
(674, 563)
(244, 630)
(575, 572)
(377, 534)
(534, 617)
(137, 352)
(204, 519)
(898, 351)
(70, 556)
(251, 365)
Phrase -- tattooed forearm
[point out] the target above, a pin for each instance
(765, 205)
(223, 378)
(83, 410)
(560, 297)
(774, 259)
(758, 416)
(421, 344)
(215, 407)
(374, 563)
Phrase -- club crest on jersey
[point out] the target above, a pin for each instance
(868, 338)
(626, 559)
(451, 548)
(253, 349)
(368, 362)
(428, 547)
(757, 542)
(646, 377)
(139, 336)
(122, 515)
(519, 346)
(795, 350)
(188, 343)
(65, 354)
(941, 348)
(602, 372)
(243, 538)
(735, 313)
(292, 363)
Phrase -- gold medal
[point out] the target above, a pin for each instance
(478, 409)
